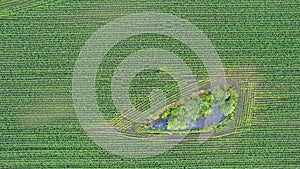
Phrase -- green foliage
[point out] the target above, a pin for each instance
(225, 98)
(191, 109)
(205, 105)
(227, 108)
(201, 106)
(178, 122)
(174, 110)
(220, 95)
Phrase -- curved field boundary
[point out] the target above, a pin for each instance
(125, 125)
(243, 114)
(242, 117)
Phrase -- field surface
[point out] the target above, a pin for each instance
(258, 44)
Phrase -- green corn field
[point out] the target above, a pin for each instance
(258, 43)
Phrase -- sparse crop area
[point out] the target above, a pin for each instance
(209, 108)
